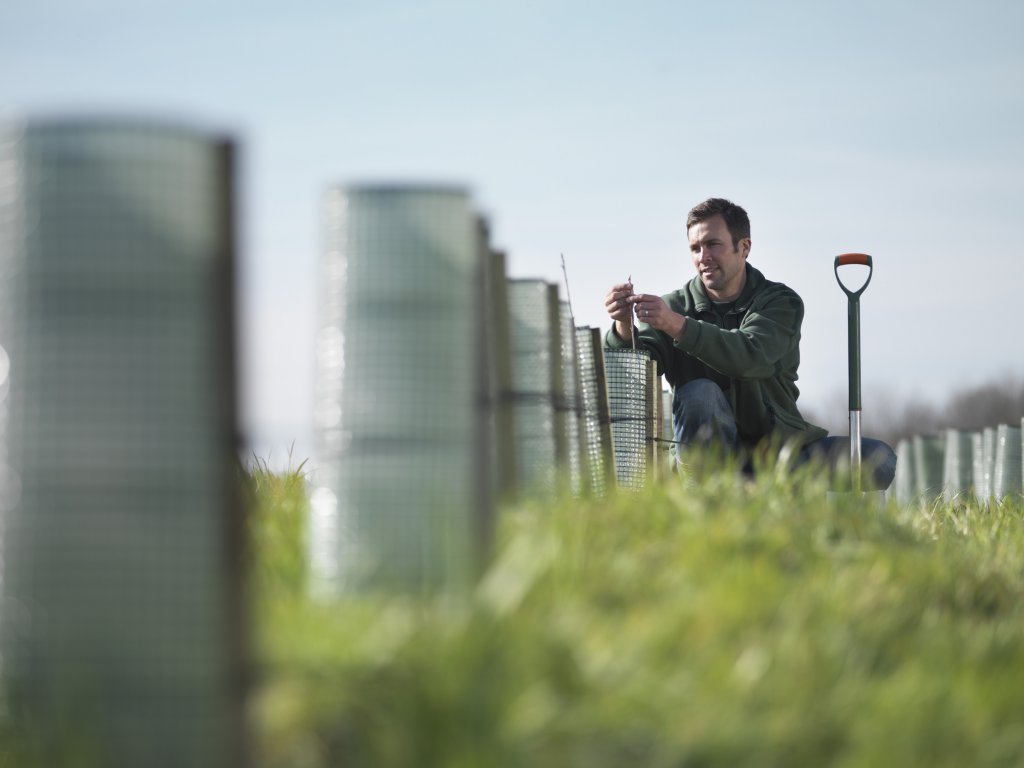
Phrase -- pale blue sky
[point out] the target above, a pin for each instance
(590, 129)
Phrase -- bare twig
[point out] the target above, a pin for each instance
(632, 325)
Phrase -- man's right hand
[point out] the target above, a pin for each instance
(620, 310)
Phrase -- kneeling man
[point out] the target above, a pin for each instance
(728, 343)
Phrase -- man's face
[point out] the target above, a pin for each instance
(721, 267)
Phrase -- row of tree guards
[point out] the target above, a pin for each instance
(444, 387)
(985, 465)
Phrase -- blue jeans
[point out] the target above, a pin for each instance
(702, 418)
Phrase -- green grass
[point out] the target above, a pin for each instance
(277, 512)
(728, 624)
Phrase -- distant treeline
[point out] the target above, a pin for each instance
(889, 419)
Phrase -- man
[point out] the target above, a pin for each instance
(729, 345)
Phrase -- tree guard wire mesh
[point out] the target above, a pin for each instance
(536, 383)
(121, 609)
(398, 390)
(904, 483)
(928, 464)
(571, 404)
(491, 353)
(984, 473)
(600, 460)
(627, 373)
(499, 355)
(1006, 476)
(977, 463)
(668, 434)
(653, 427)
(957, 474)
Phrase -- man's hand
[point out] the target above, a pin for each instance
(654, 311)
(617, 303)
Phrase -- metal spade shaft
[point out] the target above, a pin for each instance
(854, 353)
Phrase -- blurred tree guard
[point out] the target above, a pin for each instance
(400, 390)
(928, 463)
(571, 406)
(904, 483)
(957, 473)
(1007, 472)
(668, 434)
(596, 412)
(978, 463)
(537, 375)
(988, 459)
(499, 382)
(121, 612)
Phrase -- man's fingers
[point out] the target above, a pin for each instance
(620, 301)
(647, 306)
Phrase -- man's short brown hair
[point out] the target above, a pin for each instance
(736, 219)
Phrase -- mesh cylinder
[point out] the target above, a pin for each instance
(958, 469)
(1006, 476)
(571, 406)
(988, 460)
(536, 366)
(397, 402)
(928, 464)
(904, 483)
(627, 373)
(594, 396)
(121, 605)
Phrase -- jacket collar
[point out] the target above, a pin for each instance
(702, 303)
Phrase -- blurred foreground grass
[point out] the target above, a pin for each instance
(729, 624)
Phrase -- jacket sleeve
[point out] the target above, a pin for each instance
(767, 332)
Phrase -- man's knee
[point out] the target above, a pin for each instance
(878, 460)
(702, 414)
(881, 459)
(700, 399)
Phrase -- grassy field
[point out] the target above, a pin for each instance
(726, 624)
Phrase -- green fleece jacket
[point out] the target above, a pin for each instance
(752, 352)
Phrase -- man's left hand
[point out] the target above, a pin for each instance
(654, 311)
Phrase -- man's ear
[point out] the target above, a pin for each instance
(745, 246)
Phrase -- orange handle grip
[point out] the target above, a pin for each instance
(853, 258)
